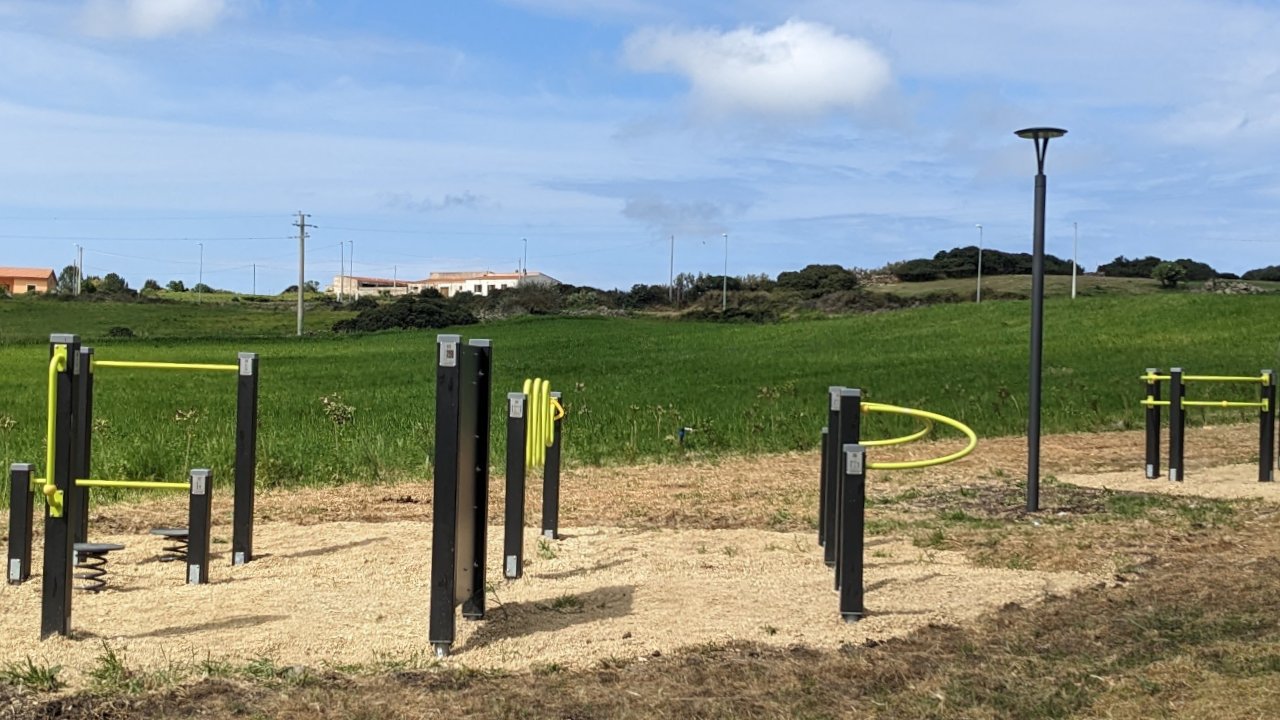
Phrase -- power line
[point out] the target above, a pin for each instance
(139, 239)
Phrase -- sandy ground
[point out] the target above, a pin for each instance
(1224, 482)
(654, 558)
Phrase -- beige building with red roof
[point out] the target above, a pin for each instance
(447, 283)
(22, 280)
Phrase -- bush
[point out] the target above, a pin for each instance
(408, 312)
(119, 331)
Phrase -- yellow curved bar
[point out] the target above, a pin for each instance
(1225, 378)
(53, 498)
(1223, 403)
(928, 428)
(544, 421)
(57, 364)
(913, 412)
(527, 389)
(164, 365)
(558, 409)
(135, 484)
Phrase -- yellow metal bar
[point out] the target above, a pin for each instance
(909, 464)
(928, 427)
(1223, 403)
(135, 484)
(1155, 378)
(1225, 378)
(164, 365)
(558, 409)
(57, 364)
(1155, 403)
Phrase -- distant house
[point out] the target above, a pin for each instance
(447, 283)
(21, 280)
(483, 283)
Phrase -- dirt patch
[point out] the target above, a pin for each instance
(1225, 482)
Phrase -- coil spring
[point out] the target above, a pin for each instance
(176, 549)
(93, 568)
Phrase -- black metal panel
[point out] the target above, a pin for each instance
(833, 471)
(513, 518)
(849, 427)
(551, 482)
(199, 526)
(1177, 424)
(21, 522)
(473, 604)
(82, 455)
(852, 513)
(822, 489)
(55, 608)
(445, 493)
(1153, 427)
(1267, 429)
(246, 459)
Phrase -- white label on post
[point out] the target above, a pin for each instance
(448, 354)
(835, 400)
(198, 483)
(246, 366)
(511, 566)
(193, 575)
(239, 559)
(15, 569)
(517, 407)
(853, 461)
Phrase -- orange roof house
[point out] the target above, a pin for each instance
(21, 280)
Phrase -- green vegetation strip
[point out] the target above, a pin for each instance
(630, 384)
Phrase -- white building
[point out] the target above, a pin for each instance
(447, 283)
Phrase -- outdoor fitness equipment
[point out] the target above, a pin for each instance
(533, 440)
(461, 488)
(842, 492)
(1177, 403)
(70, 398)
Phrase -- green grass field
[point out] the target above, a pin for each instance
(629, 384)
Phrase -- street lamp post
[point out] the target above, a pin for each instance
(979, 226)
(524, 263)
(1075, 249)
(724, 285)
(1041, 137)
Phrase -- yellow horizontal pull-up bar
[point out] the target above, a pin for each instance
(135, 484)
(1225, 378)
(164, 365)
(1154, 378)
(1206, 403)
(1224, 403)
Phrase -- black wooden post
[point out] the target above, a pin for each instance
(199, 526)
(82, 455)
(473, 606)
(513, 519)
(60, 522)
(551, 480)
(850, 427)
(853, 515)
(246, 459)
(1267, 428)
(21, 522)
(444, 529)
(822, 490)
(1153, 425)
(833, 472)
(1177, 424)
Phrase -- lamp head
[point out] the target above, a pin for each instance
(1040, 133)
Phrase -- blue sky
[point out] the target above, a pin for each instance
(174, 137)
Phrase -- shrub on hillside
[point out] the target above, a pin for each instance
(816, 280)
(408, 312)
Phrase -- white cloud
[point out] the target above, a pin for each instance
(793, 70)
(150, 18)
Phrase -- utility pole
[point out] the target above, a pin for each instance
(524, 272)
(351, 265)
(200, 277)
(79, 266)
(724, 286)
(1075, 248)
(255, 278)
(302, 262)
(342, 268)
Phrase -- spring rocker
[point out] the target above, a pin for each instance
(842, 491)
(67, 481)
